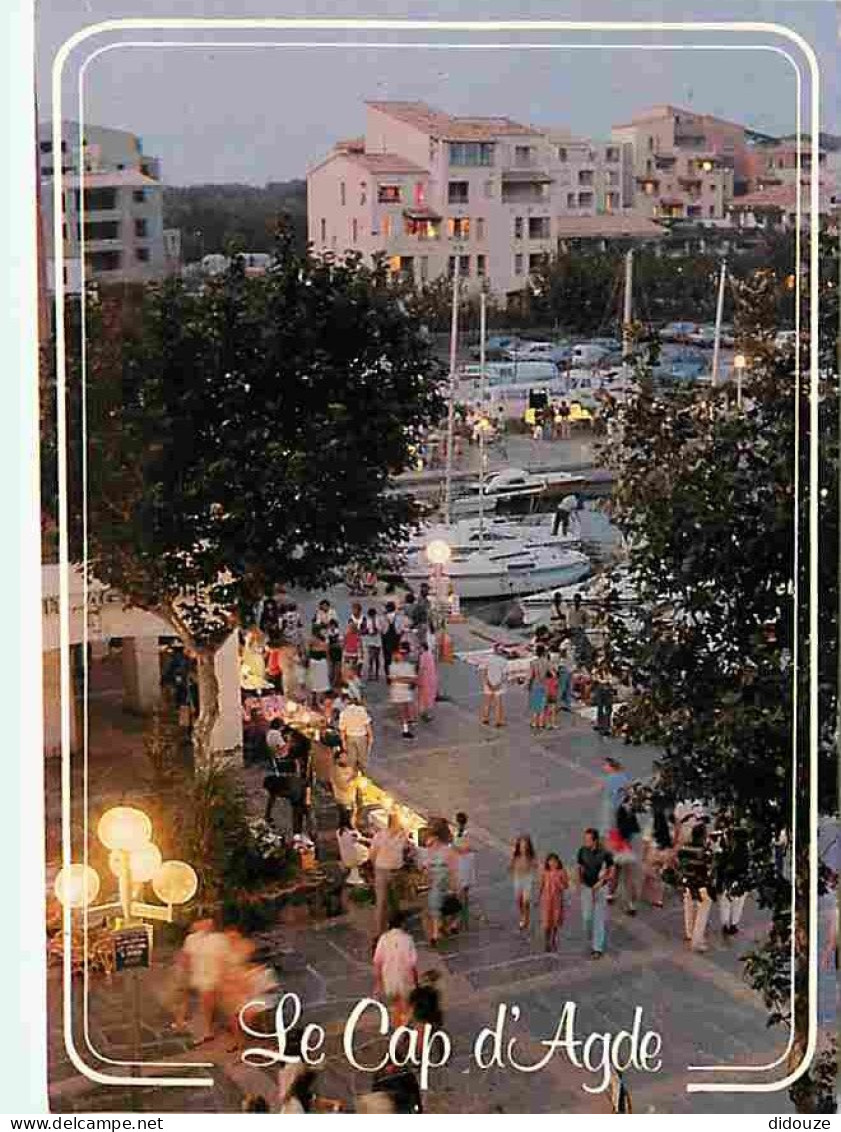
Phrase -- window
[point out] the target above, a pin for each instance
(712, 210)
(354, 231)
(651, 145)
(464, 265)
(141, 229)
(518, 227)
(141, 255)
(104, 261)
(694, 210)
(457, 192)
(386, 227)
(342, 194)
(45, 146)
(46, 170)
(712, 188)
(424, 268)
(481, 266)
(470, 153)
(480, 229)
(539, 228)
(518, 264)
(585, 200)
(323, 230)
(585, 177)
(100, 200)
(420, 194)
(571, 200)
(537, 261)
(611, 154)
(611, 178)
(389, 194)
(523, 154)
(138, 196)
(102, 230)
(458, 227)
(489, 189)
(563, 156)
(421, 229)
(611, 201)
(363, 193)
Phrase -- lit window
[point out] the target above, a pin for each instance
(420, 194)
(386, 227)
(458, 227)
(389, 194)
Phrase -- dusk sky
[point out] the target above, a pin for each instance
(254, 114)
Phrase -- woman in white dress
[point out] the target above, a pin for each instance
(318, 672)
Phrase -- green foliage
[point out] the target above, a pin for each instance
(718, 537)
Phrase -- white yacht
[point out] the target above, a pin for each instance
(512, 489)
(509, 569)
(467, 535)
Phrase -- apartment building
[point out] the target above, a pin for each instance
(424, 187)
(107, 181)
(686, 166)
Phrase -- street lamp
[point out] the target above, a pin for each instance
(438, 554)
(739, 364)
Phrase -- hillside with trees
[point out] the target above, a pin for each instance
(223, 218)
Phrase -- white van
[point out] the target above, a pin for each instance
(508, 373)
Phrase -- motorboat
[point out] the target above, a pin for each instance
(513, 489)
(510, 570)
(613, 587)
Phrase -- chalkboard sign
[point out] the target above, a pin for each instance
(132, 947)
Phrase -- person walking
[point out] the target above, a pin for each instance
(694, 862)
(602, 696)
(371, 632)
(204, 959)
(388, 849)
(396, 968)
(554, 883)
(596, 872)
(343, 781)
(335, 651)
(402, 681)
(427, 681)
(357, 731)
(537, 688)
(440, 863)
(658, 854)
(493, 688)
(731, 866)
(466, 867)
(318, 670)
(565, 666)
(389, 636)
(352, 648)
(523, 867)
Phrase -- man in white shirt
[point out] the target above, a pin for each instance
(493, 688)
(205, 957)
(356, 732)
(387, 852)
(396, 968)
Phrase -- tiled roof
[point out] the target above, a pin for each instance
(607, 225)
(780, 197)
(668, 111)
(350, 143)
(386, 163)
(437, 123)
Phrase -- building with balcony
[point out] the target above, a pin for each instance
(112, 206)
(686, 166)
(423, 187)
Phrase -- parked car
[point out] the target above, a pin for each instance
(703, 335)
(497, 344)
(677, 331)
(540, 351)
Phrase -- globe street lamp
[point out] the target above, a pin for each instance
(438, 555)
(740, 365)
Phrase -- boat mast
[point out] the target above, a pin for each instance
(482, 332)
(627, 312)
(451, 413)
(719, 312)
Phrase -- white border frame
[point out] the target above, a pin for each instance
(474, 26)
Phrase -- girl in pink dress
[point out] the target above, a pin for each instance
(427, 681)
(553, 884)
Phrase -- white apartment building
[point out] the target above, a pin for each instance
(123, 232)
(424, 187)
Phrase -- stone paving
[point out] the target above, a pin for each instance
(509, 781)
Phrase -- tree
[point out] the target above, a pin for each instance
(242, 437)
(705, 497)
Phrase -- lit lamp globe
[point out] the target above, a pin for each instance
(124, 827)
(740, 361)
(175, 882)
(143, 862)
(77, 886)
(438, 552)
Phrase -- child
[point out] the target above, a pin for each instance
(552, 685)
(466, 867)
(553, 885)
(522, 868)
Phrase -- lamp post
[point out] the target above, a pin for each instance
(134, 860)
(438, 554)
(740, 365)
